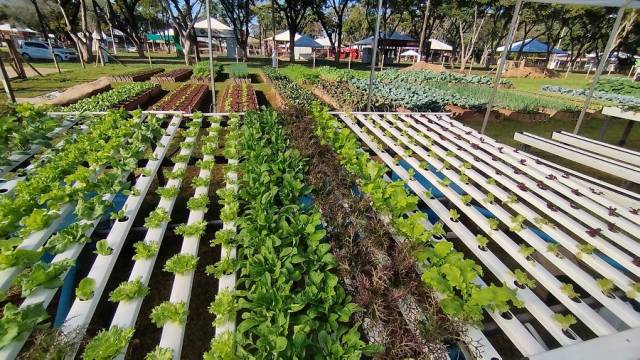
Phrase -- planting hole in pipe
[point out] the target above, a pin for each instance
(570, 334)
(507, 315)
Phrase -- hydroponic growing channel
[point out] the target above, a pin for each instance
(541, 264)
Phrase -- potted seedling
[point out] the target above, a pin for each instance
(516, 223)
(489, 199)
(585, 249)
(568, 290)
(565, 322)
(493, 223)
(482, 242)
(606, 286)
(526, 251)
(554, 248)
(522, 280)
(454, 215)
(466, 199)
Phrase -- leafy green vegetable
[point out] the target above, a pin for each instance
(198, 203)
(16, 323)
(223, 307)
(196, 229)
(181, 263)
(43, 275)
(160, 353)
(128, 291)
(20, 258)
(168, 312)
(156, 218)
(85, 289)
(103, 248)
(145, 250)
(108, 344)
(565, 321)
(73, 234)
(605, 285)
(168, 192)
(222, 348)
(39, 219)
(107, 100)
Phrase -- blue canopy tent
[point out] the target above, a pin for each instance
(531, 46)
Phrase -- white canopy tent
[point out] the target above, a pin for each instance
(439, 45)
(621, 4)
(303, 44)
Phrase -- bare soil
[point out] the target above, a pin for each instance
(423, 65)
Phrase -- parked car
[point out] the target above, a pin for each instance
(40, 50)
(131, 48)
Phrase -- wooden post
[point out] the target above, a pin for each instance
(349, 60)
(6, 83)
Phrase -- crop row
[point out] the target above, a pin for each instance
(293, 93)
(619, 86)
(443, 268)
(600, 95)
(290, 302)
(111, 98)
(137, 75)
(239, 96)
(84, 175)
(416, 98)
(187, 98)
(425, 77)
(172, 76)
(23, 126)
(128, 295)
(202, 71)
(347, 96)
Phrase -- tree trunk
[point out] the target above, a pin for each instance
(186, 48)
(292, 43)
(339, 43)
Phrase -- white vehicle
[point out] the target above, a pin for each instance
(40, 50)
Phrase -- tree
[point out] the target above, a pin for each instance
(263, 15)
(468, 18)
(183, 15)
(294, 12)
(125, 16)
(330, 14)
(238, 13)
(356, 25)
(71, 9)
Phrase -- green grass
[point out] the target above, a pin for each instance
(73, 74)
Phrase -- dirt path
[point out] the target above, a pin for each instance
(30, 73)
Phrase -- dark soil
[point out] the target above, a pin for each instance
(374, 269)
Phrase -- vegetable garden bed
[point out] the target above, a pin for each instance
(201, 72)
(172, 76)
(239, 96)
(139, 75)
(111, 98)
(141, 100)
(187, 98)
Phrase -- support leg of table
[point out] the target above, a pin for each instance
(603, 128)
(626, 132)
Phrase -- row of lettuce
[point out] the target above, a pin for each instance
(419, 90)
(111, 342)
(288, 299)
(84, 171)
(23, 126)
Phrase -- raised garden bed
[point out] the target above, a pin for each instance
(239, 96)
(140, 100)
(187, 98)
(172, 76)
(140, 75)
